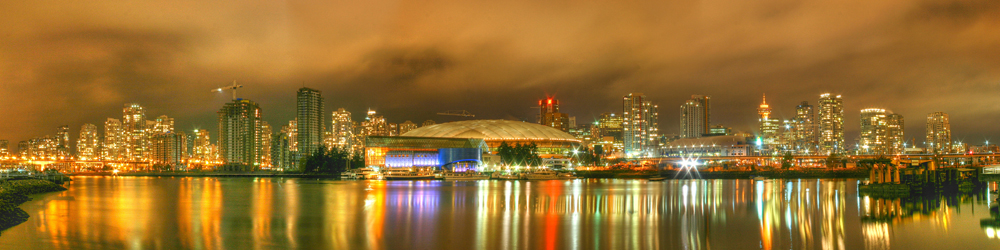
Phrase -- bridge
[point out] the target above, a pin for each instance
(982, 159)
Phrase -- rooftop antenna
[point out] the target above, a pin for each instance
(232, 87)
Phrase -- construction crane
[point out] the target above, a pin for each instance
(462, 113)
(233, 87)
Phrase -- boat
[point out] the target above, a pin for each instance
(407, 174)
(657, 178)
(359, 174)
(547, 175)
(465, 176)
(505, 176)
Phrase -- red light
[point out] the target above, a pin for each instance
(550, 101)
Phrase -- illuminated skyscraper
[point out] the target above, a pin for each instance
(768, 137)
(88, 146)
(639, 126)
(204, 153)
(874, 130)
(938, 133)
(309, 115)
(375, 125)
(134, 128)
(264, 143)
(167, 149)
(342, 129)
(549, 114)
(239, 135)
(894, 131)
(4, 150)
(406, 127)
(114, 146)
(805, 129)
(393, 129)
(831, 124)
(695, 116)
(162, 124)
(62, 139)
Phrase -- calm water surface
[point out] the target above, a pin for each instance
(280, 213)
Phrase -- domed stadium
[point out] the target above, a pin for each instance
(550, 141)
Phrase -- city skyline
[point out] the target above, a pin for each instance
(912, 57)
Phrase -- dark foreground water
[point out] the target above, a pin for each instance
(277, 213)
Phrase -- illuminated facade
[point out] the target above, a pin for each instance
(805, 129)
(423, 153)
(695, 116)
(894, 133)
(134, 128)
(549, 115)
(114, 146)
(874, 132)
(609, 125)
(938, 133)
(281, 155)
(239, 135)
(375, 125)
(162, 124)
(831, 124)
(167, 149)
(342, 130)
(62, 140)
(4, 150)
(640, 127)
(203, 152)
(265, 143)
(88, 146)
(726, 145)
(309, 118)
(768, 139)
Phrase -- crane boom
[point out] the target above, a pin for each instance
(231, 87)
(462, 113)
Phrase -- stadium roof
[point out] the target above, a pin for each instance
(492, 130)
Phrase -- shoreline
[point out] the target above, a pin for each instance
(598, 174)
(13, 193)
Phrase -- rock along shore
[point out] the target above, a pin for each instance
(15, 192)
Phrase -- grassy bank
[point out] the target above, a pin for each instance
(15, 192)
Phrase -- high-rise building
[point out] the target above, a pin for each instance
(23, 149)
(309, 115)
(375, 125)
(281, 156)
(428, 123)
(639, 126)
(239, 135)
(62, 137)
(695, 116)
(264, 145)
(805, 129)
(894, 131)
(549, 114)
(767, 140)
(874, 130)
(167, 149)
(610, 125)
(406, 127)
(938, 133)
(114, 146)
(204, 153)
(342, 129)
(134, 128)
(88, 145)
(831, 124)
(393, 129)
(162, 124)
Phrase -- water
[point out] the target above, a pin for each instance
(281, 213)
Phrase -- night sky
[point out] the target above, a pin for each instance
(75, 62)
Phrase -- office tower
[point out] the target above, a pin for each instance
(639, 125)
(62, 139)
(427, 123)
(805, 129)
(162, 124)
(342, 129)
(831, 124)
(264, 145)
(375, 125)
(610, 125)
(549, 114)
(309, 115)
(239, 134)
(114, 147)
(406, 127)
(695, 116)
(134, 129)
(894, 131)
(938, 133)
(88, 145)
(768, 140)
(874, 130)
(167, 150)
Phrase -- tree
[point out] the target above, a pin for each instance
(786, 161)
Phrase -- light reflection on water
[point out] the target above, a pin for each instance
(270, 213)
